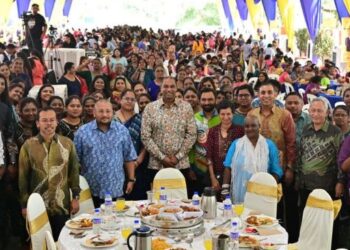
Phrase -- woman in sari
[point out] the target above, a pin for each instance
(246, 156)
(132, 121)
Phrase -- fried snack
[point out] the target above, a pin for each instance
(259, 221)
(248, 241)
(86, 223)
(160, 244)
(172, 210)
(189, 208)
(151, 209)
(252, 220)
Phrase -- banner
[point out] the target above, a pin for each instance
(22, 6)
(341, 9)
(66, 7)
(347, 4)
(345, 43)
(286, 8)
(256, 14)
(49, 4)
(270, 9)
(242, 9)
(228, 15)
(312, 14)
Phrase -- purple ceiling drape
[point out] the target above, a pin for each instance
(49, 4)
(242, 9)
(22, 6)
(228, 14)
(341, 9)
(270, 9)
(312, 15)
(66, 7)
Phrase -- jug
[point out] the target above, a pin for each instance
(209, 203)
(143, 239)
(221, 242)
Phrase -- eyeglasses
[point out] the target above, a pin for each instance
(128, 99)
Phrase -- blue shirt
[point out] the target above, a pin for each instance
(153, 90)
(102, 156)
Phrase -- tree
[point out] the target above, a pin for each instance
(323, 46)
(302, 36)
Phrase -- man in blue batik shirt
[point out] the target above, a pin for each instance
(104, 146)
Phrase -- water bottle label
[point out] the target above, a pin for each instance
(234, 235)
(162, 197)
(108, 202)
(228, 207)
(195, 202)
(97, 221)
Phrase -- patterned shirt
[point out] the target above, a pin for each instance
(303, 120)
(280, 128)
(50, 170)
(198, 154)
(102, 156)
(318, 157)
(168, 131)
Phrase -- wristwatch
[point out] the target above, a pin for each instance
(131, 180)
(77, 197)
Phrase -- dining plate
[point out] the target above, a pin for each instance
(260, 221)
(79, 223)
(102, 241)
(126, 208)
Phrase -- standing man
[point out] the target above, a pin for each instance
(294, 104)
(104, 147)
(205, 120)
(35, 29)
(245, 95)
(168, 131)
(277, 124)
(319, 146)
(48, 165)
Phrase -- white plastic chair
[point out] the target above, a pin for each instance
(173, 181)
(86, 204)
(301, 91)
(37, 221)
(289, 87)
(274, 76)
(317, 224)
(266, 204)
(50, 243)
(310, 97)
(252, 81)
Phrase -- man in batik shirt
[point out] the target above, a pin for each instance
(48, 165)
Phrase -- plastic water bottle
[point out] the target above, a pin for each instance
(227, 208)
(195, 199)
(234, 236)
(137, 224)
(96, 221)
(162, 196)
(108, 204)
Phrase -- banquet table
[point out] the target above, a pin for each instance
(68, 242)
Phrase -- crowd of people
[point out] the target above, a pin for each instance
(151, 100)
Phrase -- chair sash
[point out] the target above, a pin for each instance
(329, 205)
(177, 183)
(85, 195)
(35, 226)
(265, 190)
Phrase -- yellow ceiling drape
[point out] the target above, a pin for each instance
(347, 5)
(287, 12)
(5, 9)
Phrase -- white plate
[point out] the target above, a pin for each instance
(274, 223)
(71, 225)
(88, 244)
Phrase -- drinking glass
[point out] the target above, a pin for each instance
(120, 204)
(126, 230)
(207, 241)
(238, 208)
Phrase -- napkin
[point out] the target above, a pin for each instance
(268, 231)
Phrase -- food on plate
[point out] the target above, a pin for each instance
(160, 244)
(188, 208)
(268, 246)
(151, 209)
(248, 241)
(259, 220)
(167, 217)
(101, 240)
(251, 230)
(81, 223)
(177, 248)
(172, 210)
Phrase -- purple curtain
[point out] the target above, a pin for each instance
(49, 4)
(341, 9)
(312, 15)
(228, 14)
(256, 1)
(66, 7)
(270, 9)
(242, 9)
(22, 6)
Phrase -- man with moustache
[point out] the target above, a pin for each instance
(48, 165)
(168, 131)
(104, 147)
(205, 119)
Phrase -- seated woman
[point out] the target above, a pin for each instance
(246, 156)
(341, 119)
(218, 142)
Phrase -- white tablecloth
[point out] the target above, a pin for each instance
(68, 242)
